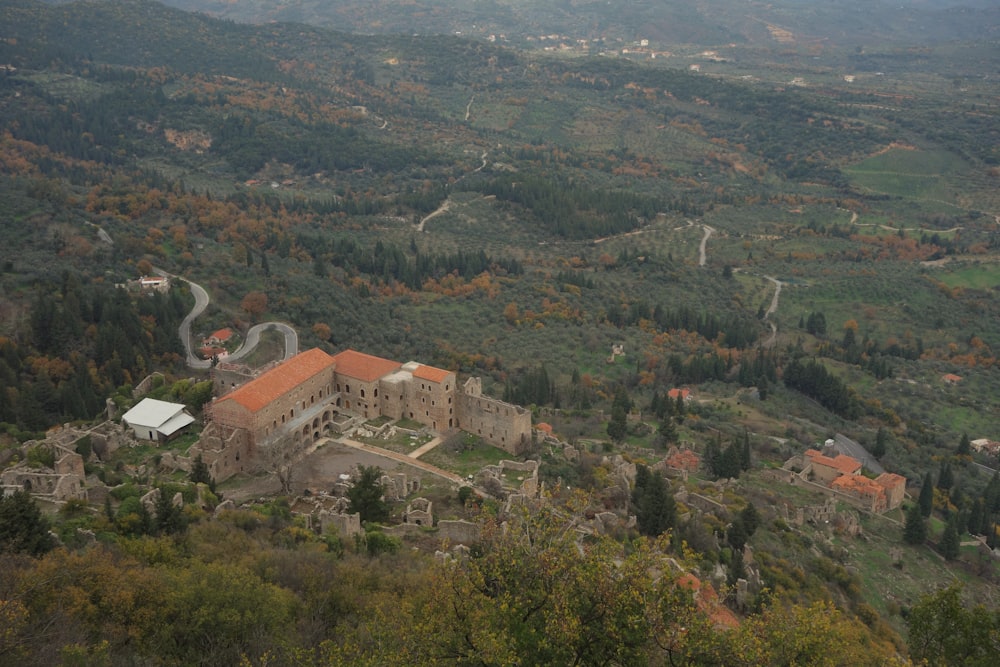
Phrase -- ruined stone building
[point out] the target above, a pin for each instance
(841, 476)
(292, 404)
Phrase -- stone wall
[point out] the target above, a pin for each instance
(502, 424)
(225, 450)
(458, 531)
(227, 377)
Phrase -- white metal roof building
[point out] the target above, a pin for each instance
(157, 420)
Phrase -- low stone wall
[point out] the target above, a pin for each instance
(458, 531)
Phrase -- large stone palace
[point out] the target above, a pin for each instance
(291, 405)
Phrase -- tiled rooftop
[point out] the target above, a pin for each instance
(276, 382)
(430, 373)
(363, 367)
(845, 464)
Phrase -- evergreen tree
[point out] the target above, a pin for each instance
(736, 535)
(915, 531)
(949, 545)
(366, 495)
(618, 424)
(23, 528)
(881, 441)
(168, 517)
(656, 511)
(199, 471)
(964, 446)
(745, 452)
(728, 466)
(991, 496)
(926, 500)
(750, 518)
(946, 479)
(977, 518)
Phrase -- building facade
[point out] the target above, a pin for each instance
(293, 404)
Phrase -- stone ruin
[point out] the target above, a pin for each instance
(495, 479)
(65, 480)
(325, 513)
(418, 512)
(397, 486)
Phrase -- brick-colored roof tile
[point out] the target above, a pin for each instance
(281, 379)
(430, 373)
(845, 464)
(363, 367)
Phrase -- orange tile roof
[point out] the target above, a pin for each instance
(845, 464)
(222, 335)
(431, 373)
(891, 480)
(674, 393)
(685, 459)
(951, 377)
(364, 367)
(281, 379)
(544, 427)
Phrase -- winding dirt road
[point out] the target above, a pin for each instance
(702, 255)
(773, 308)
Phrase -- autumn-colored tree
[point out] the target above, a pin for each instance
(321, 330)
(254, 304)
(144, 267)
(511, 314)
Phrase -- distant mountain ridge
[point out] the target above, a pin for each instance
(702, 22)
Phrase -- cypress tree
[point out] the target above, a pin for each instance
(946, 478)
(949, 545)
(964, 446)
(926, 500)
(915, 531)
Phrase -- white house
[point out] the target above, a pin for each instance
(156, 420)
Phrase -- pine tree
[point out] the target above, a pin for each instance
(23, 527)
(915, 531)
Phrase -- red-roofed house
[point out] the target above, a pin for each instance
(951, 378)
(675, 392)
(826, 469)
(219, 337)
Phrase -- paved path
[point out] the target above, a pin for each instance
(856, 450)
(424, 448)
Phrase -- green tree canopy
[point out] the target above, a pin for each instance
(23, 528)
(366, 495)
